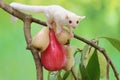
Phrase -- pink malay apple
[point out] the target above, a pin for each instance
(41, 39)
(54, 57)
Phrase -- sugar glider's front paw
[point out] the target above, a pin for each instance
(49, 25)
(59, 31)
(71, 34)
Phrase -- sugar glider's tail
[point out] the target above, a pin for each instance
(28, 8)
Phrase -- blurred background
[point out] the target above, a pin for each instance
(102, 19)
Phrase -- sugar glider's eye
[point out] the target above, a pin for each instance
(70, 21)
(77, 22)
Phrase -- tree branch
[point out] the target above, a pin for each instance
(27, 21)
(35, 53)
(18, 14)
(107, 71)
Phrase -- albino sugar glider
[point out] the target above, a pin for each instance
(53, 13)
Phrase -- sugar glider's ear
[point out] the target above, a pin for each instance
(82, 17)
(67, 17)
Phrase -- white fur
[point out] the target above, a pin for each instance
(53, 13)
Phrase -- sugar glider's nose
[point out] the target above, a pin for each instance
(74, 26)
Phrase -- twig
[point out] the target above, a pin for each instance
(22, 16)
(73, 73)
(27, 26)
(107, 71)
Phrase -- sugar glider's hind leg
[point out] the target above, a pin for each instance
(58, 28)
(49, 20)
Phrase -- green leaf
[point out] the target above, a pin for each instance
(114, 42)
(84, 52)
(54, 76)
(66, 75)
(93, 67)
(59, 76)
(84, 73)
